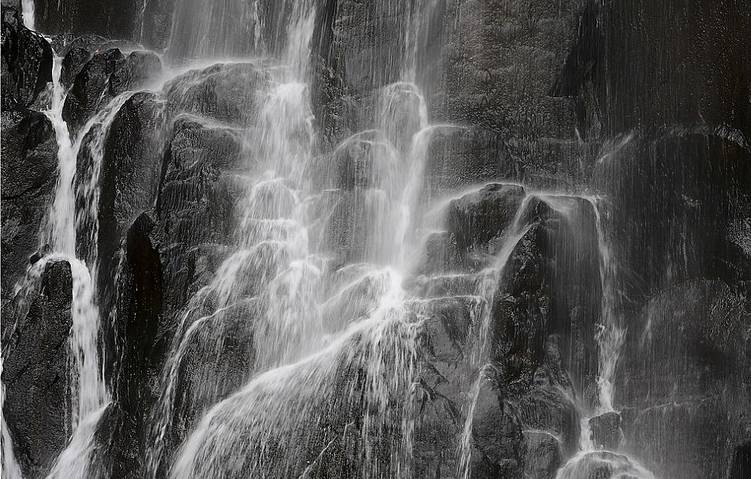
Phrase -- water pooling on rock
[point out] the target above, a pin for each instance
(332, 238)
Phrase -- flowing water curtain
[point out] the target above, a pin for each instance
(215, 29)
(271, 271)
(60, 235)
(382, 436)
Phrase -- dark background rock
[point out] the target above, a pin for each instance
(73, 62)
(606, 430)
(26, 62)
(85, 96)
(646, 103)
(35, 369)
(29, 172)
(135, 71)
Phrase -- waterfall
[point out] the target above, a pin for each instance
(610, 335)
(59, 233)
(324, 352)
(27, 13)
(75, 460)
(216, 29)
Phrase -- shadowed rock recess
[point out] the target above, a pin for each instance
(451, 239)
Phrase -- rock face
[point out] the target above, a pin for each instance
(36, 325)
(29, 172)
(600, 149)
(26, 62)
(85, 96)
(606, 430)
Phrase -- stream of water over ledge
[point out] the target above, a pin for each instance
(456, 239)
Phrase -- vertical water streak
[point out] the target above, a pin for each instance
(487, 289)
(213, 29)
(610, 335)
(28, 14)
(9, 466)
(75, 461)
(60, 232)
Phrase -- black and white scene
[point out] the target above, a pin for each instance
(376, 239)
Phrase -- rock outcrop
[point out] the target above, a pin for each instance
(36, 326)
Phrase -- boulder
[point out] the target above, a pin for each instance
(29, 173)
(73, 62)
(497, 441)
(130, 172)
(26, 62)
(36, 367)
(476, 218)
(135, 72)
(602, 465)
(224, 92)
(137, 348)
(606, 430)
(85, 96)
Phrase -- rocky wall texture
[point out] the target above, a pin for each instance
(643, 103)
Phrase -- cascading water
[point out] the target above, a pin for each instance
(296, 296)
(60, 234)
(27, 12)
(9, 468)
(610, 336)
(303, 310)
(486, 290)
(89, 394)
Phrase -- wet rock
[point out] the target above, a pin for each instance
(217, 360)
(684, 212)
(602, 465)
(521, 306)
(112, 19)
(363, 164)
(367, 44)
(73, 62)
(495, 71)
(444, 375)
(690, 349)
(196, 205)
(130, 172)
(157, 23)
(478, 217)
(117, 451)
(197, 195)
(197, 143)
(86, 95)
(36, 368)
(29, 172)
(550, 409)
(26, 62)
(224, 92)
(497, 441)
(603, 69)
(441, 255)
(606, 430)
(458, 157)
(137, 348)
(543, 456)
(741, 465)
(136, 70)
